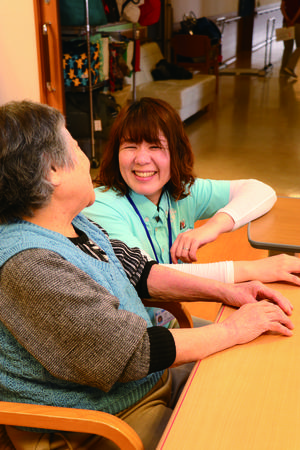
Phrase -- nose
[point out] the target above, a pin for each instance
(142, 154)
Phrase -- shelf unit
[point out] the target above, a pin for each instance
(86, 31)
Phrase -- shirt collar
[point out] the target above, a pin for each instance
(148, 208)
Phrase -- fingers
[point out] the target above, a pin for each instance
(290, 278)
(275, 297)
(185, 250)
(278, 321)
(254, 319)
(288, 267)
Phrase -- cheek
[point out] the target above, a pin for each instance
(124, 162)
(166, 163)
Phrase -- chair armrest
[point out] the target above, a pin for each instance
(71, 419)
(178, 310)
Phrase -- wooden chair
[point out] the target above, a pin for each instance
(81, 420)
(67, 419)
(195, 52)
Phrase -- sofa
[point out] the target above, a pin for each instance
(186, 96)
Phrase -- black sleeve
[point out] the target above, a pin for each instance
(162, 348)
(141, 286)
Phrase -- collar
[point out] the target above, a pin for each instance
(148, 208)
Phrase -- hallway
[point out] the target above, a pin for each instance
(253, 130)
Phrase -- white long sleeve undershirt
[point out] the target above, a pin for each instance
(220, 271)
(248, 200)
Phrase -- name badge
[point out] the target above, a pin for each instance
(162, 317)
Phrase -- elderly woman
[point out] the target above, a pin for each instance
(73, 329)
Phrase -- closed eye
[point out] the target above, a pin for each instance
(128, 147)
(156, 147)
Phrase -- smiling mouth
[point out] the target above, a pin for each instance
(144, 174)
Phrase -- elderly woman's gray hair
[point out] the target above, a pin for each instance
(31, 143)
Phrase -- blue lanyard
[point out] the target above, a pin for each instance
(146, 229)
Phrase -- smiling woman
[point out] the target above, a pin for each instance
(146, 167)
(147, 196)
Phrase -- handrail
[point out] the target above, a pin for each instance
(222, 21)
(269, 10)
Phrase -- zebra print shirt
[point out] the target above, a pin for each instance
(135, 262)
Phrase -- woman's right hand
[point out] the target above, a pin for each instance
(267, 270)
(253, 319)
(242, 326)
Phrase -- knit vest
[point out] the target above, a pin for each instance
(36, 384)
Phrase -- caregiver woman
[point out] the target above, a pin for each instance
(148, 196)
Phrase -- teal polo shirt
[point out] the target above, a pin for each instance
(117, 216)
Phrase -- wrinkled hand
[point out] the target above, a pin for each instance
(276, 268)
(251, 320)
(252, 291)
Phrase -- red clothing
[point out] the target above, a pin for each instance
(291, 8)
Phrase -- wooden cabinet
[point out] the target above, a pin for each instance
(49, 53)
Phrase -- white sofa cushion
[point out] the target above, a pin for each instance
(186, 96)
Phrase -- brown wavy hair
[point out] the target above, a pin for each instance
(140, 121)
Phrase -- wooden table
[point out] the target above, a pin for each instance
(245, 398)
(279, 230)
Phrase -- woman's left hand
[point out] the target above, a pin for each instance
(186, 244)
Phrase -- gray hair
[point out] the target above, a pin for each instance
(31, 142)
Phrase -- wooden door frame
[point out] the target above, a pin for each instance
(46, 13)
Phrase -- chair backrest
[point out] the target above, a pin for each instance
(68, 419)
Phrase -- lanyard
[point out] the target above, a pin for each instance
(146, 229)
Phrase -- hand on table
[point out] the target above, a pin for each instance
(240, 294)
(254, 319)
(274, 268)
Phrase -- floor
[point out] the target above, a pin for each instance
(253, 130)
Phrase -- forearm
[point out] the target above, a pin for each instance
(282, 7)
(173, 285)
(295, 18)
(193, 344)
(245, 271)
(249, 199)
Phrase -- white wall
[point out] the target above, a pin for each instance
(203, 8)
(266, 3)
(18, 54)
(208, 8)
